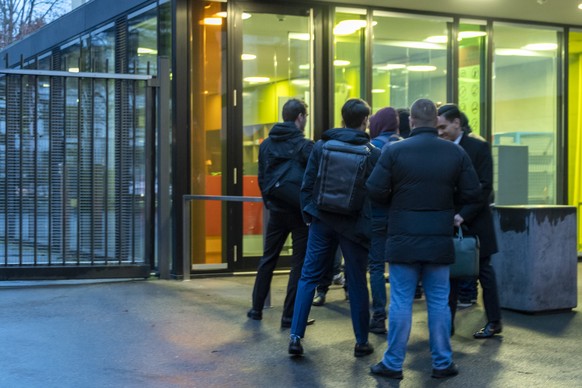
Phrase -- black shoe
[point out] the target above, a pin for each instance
(362, 350)
(418, 292)
(383, 370)
(378, 326)
(286, 322)
(489, 330)
(295, 347)
(449, 371)
(319, 299)
(254, 314)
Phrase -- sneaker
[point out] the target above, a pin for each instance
(449, 371)
(338, 279)
(319, 299)
(295, 347)
(378, 326)
(361, 350)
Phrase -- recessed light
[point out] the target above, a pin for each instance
(390, 66)
(421, 68)
(541, 46)
(437, 39)
(256, 80)
(341, 62)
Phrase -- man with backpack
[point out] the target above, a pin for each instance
(335, 204)
(282, 160)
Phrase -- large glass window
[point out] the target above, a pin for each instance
(575, 127)
(524, 122)
(208, 132)
(409, 59)
(142, 41)
(348, 39)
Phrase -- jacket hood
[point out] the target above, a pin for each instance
(284, 131)
(349, 135)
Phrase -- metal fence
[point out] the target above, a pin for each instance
(76, 174)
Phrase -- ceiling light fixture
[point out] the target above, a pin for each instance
(541, 46)
(390, 66)
(212, 21)
(516, 53)
(437, 39)
(223, 14)
(256, 80)
(378, 91)
(580, 6)
(421, 68)
(471, 34)
(341, 62)
(299, 36)
(248, 57)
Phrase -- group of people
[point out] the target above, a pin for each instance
(416, 191)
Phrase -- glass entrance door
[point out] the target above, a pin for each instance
(275, 65)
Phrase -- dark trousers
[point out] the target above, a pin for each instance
(490, 296)
(279, 227)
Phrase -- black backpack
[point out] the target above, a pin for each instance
(342, 177)
(287, 176)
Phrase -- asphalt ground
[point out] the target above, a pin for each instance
(157, 333)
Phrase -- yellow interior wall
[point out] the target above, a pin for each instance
(574, 139)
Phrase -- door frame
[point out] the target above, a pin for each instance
(233, 219)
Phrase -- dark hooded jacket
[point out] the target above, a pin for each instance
(420, 177)
(356, 228)
(285, 141)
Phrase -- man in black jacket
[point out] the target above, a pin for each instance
(475, 217)
(286, 147)
(419, 177)
(328, 228)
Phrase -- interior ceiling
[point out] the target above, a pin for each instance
(547, 11)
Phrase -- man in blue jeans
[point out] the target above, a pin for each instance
(420, 178)
(328, 229)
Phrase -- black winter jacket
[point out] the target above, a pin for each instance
(355, 228)
(419, 177)
(285, 140)
(477, 216)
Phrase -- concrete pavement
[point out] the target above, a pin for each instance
(155, 333)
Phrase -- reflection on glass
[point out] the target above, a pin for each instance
(348, 32)
(409, 60)
(575, 127)
(276, 65)
(208, 134)
(525, 114)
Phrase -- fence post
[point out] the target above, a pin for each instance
(164, 166)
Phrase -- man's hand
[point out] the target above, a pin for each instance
(458, 220)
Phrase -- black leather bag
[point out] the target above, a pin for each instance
(466, 263)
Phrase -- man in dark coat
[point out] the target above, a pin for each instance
(328, 229)
(286, 142)
(419, 177)
(476, 217)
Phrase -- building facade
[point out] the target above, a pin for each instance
(234, 64)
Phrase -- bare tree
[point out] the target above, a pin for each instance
(19, 18)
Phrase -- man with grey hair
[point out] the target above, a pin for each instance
(419, 178)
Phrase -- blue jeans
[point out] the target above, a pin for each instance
(403, 281)
(377, 264)
(321, 245)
